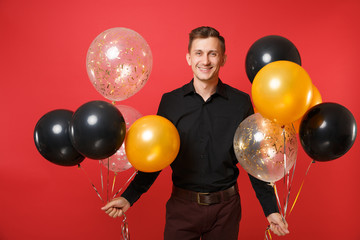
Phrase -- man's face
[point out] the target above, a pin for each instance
(206, 58)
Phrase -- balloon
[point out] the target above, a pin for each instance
(118, 62)
(259, 147)
(316, 99)
(97, 129)
(130, 114)
(269, 49)
(152, 143)
(282, 91)
(119, 162)
(51, 136)
(327, 131)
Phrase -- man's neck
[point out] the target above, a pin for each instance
(205, 88)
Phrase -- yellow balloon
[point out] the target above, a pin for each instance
(316, 99)
(152, 143)
(282, 91)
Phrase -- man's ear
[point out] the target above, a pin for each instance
(224, 60)
(188, 59)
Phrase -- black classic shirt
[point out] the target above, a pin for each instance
(206, 161)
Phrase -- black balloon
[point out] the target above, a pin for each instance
(52, 139)
(327, 131)
(97, 129)
(269, 49)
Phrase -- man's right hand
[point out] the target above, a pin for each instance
(116, 207)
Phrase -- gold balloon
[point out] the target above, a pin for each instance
(282, 91)
(152, 143)
(316, 99)
(262, 149)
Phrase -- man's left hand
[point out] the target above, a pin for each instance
(278, 224)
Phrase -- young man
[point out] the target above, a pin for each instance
(205, 202)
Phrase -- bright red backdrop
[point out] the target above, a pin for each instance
(43, 47)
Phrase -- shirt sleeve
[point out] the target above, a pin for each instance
(141, 184)
(265, 194)
(263, 190)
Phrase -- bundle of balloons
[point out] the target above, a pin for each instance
(119, 62)
(286, 102)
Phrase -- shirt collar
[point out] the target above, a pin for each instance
(220, 89)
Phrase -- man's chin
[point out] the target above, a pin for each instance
(207, 79)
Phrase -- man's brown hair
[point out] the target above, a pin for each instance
(205, 32)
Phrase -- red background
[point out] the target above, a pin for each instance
(43, 46)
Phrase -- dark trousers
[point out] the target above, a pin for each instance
(187, 220)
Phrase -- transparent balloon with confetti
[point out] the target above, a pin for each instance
(119, 63)
(119, 161)
(265, 149)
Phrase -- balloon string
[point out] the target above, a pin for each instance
(108, 180)
(286, 175)
(101, 177)
(278, 200)
(289, 188)
(125, 229)
(135, 172)
(289, 183)
(91, 182)
(297, 195)
(267, 233)
(113, 185)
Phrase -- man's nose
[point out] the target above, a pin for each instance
(205, 59)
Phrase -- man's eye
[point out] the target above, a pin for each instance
(214, 54)
(198, 53)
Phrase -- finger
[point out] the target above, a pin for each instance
(113, 212)
(283, 226)
(284, 229)
(120, 213)
(107, 206)
(109, 210)
(275, 229)
(110, 204)
(286, 224)
(280, 231)
(116, 213)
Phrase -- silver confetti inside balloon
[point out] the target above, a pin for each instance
(259, 145)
